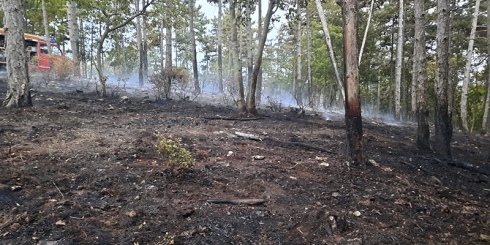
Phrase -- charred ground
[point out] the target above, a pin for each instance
(79, 169)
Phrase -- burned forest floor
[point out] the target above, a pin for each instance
(81, 169)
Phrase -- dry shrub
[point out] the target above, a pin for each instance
(177, 156)
(63, 68)
(163, 81)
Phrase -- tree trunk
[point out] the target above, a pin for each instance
(168, 59)
(139, 41)
(145, 47)
(329, 45)
(420, 78)
(353, 117)
(308, 61)
(220, 47)
(249, 46)
(197, 88)
(237, 63)
(258, 94)
(299, 79)
(71, 7)
(46, 32)
(18, 83)
(442, 120)
(486, 109)
(366, 31)
(469, 57)
(399, 61)
(252, 108)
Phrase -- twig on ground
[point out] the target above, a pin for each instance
(62, 196)
(234, 119)
(248, 136)
(237, 201)
(419, 167)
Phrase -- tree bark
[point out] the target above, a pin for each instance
(399, 61)
(237, 63)
(145, 47)
(18, 83)
(487, 100)
(46, 32)
(299, 79)
(139, 41)
(469, 58)
(168, 59)
(353, 117)
(71, 7)
(442, 120)
(330, 47)
(197, 88)
(220, 47)
(308, 61)
(249, 46)
(420, 78)
(252, 108)
(258, 94)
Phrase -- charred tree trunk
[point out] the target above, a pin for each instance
(353, 117)
(443, 130)
(18, 83)
(420, 78)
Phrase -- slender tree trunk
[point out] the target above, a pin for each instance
(486, 109)
(308, 60)
(299, 66)
(442, 120)
(237, 63)
(71, 7)
(258, 62)
(258, 95)
(46, 32)
(366, 31)
(399, 61)
(139, 40)
(329, 45)
(145, 46)
(353, 117)
(220, 47)
(469, 58)
(378, 98)
(249, 46)
(18, 83)
(168, 59)
(197, 88)
(420, 77)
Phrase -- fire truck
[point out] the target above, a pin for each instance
(36, 52)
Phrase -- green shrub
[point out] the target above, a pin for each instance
(177, 156)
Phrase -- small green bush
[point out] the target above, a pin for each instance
(177, 156)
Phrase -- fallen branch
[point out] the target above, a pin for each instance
(234, 119)
(462, 165)
(237, 201)
(248, 136)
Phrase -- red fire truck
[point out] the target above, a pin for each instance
(36, 51)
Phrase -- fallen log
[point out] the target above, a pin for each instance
(237, 201)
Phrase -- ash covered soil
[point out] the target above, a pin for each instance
(80, 169)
